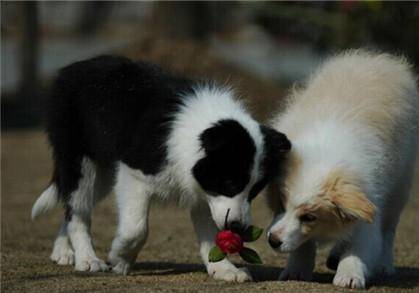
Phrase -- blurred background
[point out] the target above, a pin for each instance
(260, 47)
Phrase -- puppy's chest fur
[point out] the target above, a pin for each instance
(164, 186)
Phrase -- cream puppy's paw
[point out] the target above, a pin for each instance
(350, 274)
(349, 281)
(226, 271)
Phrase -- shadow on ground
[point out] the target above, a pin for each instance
(259, 273)
(405, 277)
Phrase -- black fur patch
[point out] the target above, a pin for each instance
(68, 213)
(112, 109)
(108, 109)
(230, 151)
(276, 145)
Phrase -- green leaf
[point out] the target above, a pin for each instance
(250, 256)
(252, 233)
(216, 254)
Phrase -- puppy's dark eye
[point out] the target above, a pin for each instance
(307, 218)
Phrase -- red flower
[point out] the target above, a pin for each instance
(229, 242)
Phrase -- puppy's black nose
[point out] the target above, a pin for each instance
(236, 226)
(273, 241)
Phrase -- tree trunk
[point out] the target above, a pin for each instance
(29, 66)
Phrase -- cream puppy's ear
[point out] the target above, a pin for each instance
(345, 193)
(354, 206)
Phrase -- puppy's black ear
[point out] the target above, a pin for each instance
(275, 141)
(225, 134)
(201, 172)
(213, 138)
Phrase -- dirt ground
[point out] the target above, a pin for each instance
(170, 260)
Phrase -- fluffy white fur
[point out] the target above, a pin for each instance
(47, 201)
(357, 115)
(184, 147)
(135, 191)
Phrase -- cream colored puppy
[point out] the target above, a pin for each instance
(354, 130)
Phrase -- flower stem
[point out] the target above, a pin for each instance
(225, 220)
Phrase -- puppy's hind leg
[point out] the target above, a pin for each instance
(81, 204)
(390, 220)
(85, 256)
(386, 267)
(396, 200)
(133, 197)
(62, 252)
(206, 231)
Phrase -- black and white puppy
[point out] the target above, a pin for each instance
(117, 124)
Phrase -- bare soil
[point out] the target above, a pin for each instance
(169, 260)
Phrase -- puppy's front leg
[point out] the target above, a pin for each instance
(300, 263)
(359, 260)
(133, 199)
(206, 231)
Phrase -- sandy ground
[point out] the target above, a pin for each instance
(169, 260)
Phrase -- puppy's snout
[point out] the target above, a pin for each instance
(236, 226)
(274, 241)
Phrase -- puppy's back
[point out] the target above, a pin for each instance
(376, 90)
(110, 107)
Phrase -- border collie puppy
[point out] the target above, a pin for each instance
(354, 129)
(130, 127)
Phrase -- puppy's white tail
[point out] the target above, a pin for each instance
(47, 201)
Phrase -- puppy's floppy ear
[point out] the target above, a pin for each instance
(226, 133)
(213, 138)
(348, 199)
(276, 200)
(275, 141)
(201, 172)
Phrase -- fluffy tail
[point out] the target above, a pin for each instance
(47, 201)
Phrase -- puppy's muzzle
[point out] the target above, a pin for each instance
(274, 242)
(236, 226)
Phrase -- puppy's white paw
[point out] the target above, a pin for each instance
(349, 281)
(120, 265)
(350, 273)
(62, 254)
(226, 271)
(296, 274)
(90, 264)
(121, 268)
